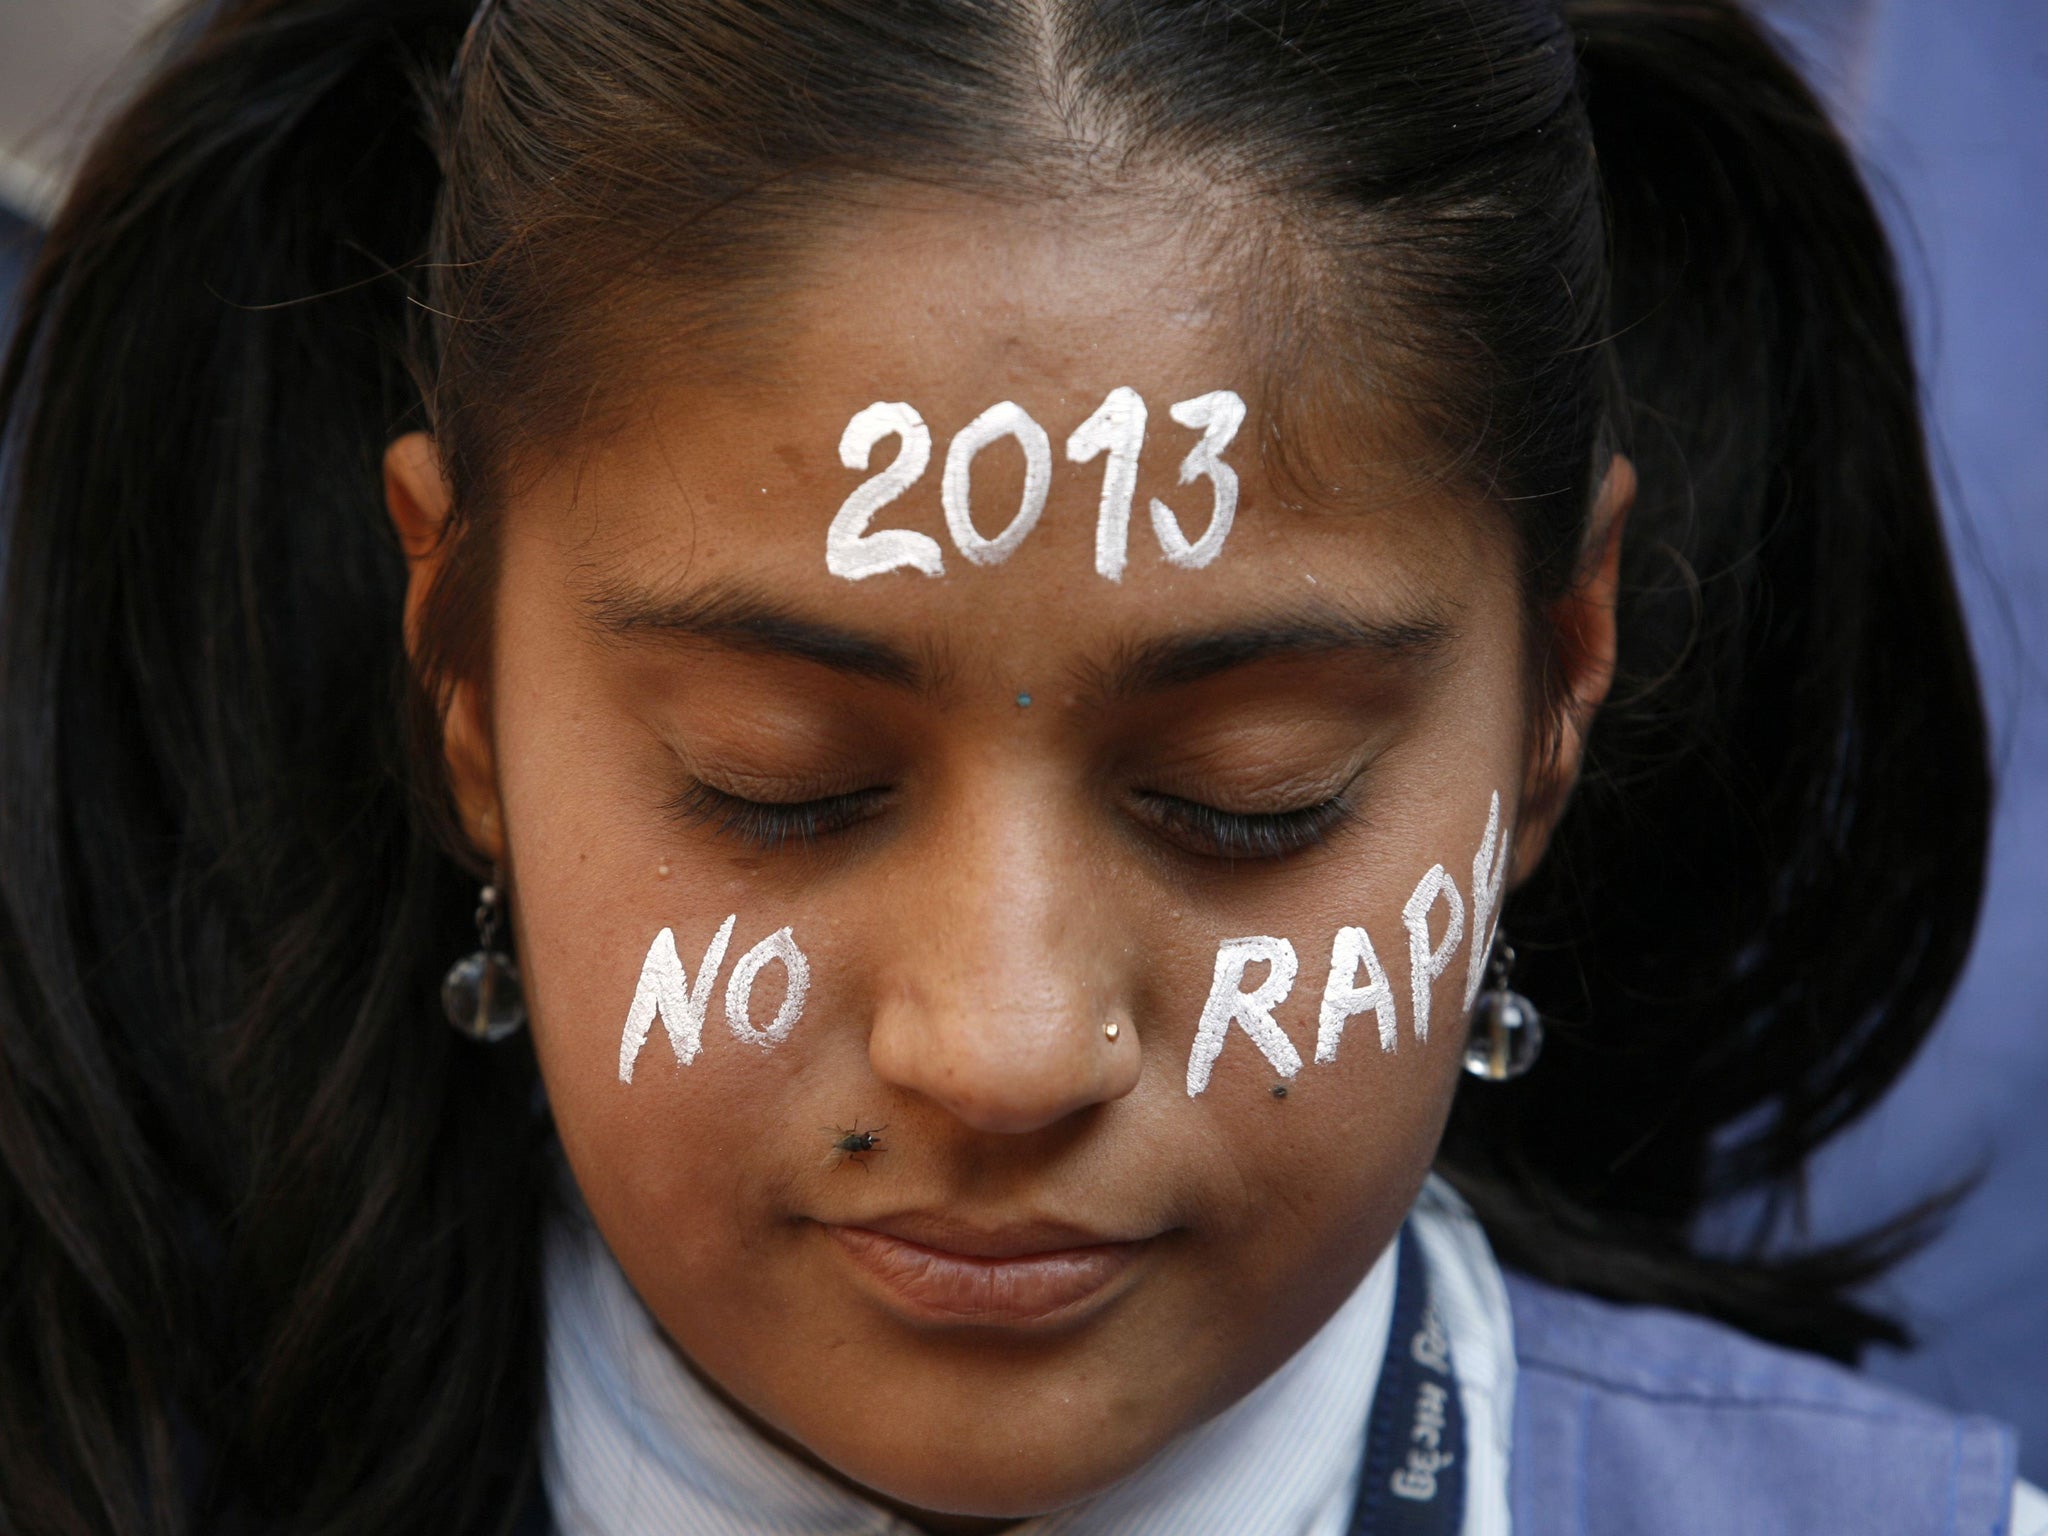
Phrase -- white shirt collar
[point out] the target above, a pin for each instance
(637, 1444)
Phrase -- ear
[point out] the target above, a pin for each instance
(1581, 624)
(419, 501)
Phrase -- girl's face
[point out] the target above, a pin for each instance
(1008, 814)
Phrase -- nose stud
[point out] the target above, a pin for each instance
(1111, 1029)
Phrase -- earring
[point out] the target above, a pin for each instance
(1507, 1031)
(481, 992)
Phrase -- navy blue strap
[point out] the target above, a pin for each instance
(1412, 1482)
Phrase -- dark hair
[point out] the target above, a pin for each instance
(269, 1232)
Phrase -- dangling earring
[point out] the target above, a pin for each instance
(481, 992)
(1507, 1031)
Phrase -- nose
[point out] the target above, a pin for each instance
(1001, 997)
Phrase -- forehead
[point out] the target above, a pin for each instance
(731, 475)
(962, 297)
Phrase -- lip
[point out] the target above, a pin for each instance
(934, 1270)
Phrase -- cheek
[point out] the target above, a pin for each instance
(692, 1162)
(1326, 1106)
(595, 875)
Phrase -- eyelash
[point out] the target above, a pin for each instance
(1198, 828)
(773, 824)
(1233, 835)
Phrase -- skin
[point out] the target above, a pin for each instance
(1015, 882)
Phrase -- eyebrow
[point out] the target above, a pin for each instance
(742, 619)
(1317, 629)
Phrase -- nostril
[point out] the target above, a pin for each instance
(1006, 1074)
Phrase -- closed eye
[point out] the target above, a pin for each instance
(1214, 833)
(1192, 825)
(774, 824)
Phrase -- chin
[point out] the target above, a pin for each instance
(995, 1467)
(1017, 1488)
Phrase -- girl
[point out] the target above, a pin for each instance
(1007, 602)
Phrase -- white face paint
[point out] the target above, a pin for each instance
(1351, 951)
(1220, 413)
(1253, 1011)
(739, 992)
(955, 485)
(664, 990)
(1116, 428)
(1489, 874)
(1424, 963)
(1343, 997)
(850, 550)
